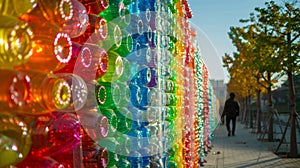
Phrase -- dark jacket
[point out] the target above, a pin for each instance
(231, 108)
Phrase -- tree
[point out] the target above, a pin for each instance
(284, 23)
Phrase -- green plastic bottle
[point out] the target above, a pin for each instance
(111, 145)
(114, 70)
(117, 13)
(126, 46)
(124, 120)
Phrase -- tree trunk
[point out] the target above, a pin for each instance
(244, 115)
(250, 112)
(270, 115)
(270, 112)
(293, 138)
(246, 110)
(258, 112)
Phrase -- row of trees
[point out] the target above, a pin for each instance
(268, 47)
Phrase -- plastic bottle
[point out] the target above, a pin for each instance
(126, 46)
(135, 159)
(145, 98)
(15, 140)
(54, 133)
(111, 145)
(170, 86)
(95, 6)
(70, 158)
(115, 69)
(124, 148)
(108, 95)
(171, 113)
(16, 8)
(114, 38)
(56, 12)
(45, 162)
(126, 75)
(145, 137)
(135, 138)
(79, 91)
(95, 125)
(142, 76)
(112, 121)
(124, 163)
(124, 120)
(136, 117)
(141, 54)
(16, 89)
(95, 32)
(145, 37)
(93, 155)
(33, 92)
(79, 22)
(51, 50)
(136, 27)
(117, 13)
(135, 95)
(153, 81)
(90, 63)
(145, 152)
(16, 45)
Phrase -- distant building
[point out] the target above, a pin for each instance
(220, 90)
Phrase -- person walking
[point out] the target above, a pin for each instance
(231, 111)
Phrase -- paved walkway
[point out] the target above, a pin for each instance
(244, 150)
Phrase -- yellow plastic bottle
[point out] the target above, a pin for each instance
(15, 141)
(16, 7)
(15, 42)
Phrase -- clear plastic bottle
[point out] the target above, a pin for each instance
(126, 75)
(77, 25)
(114, 38)
(15, 139)
(95, 32)
(90, 63)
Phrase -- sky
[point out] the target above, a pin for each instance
(213, 19)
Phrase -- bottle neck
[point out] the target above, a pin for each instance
(56, 93)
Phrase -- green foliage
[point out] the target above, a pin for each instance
(266, 46)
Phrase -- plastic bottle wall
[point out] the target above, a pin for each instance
(102, 83)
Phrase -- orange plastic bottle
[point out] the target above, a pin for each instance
(51, 48)
(33, 92)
